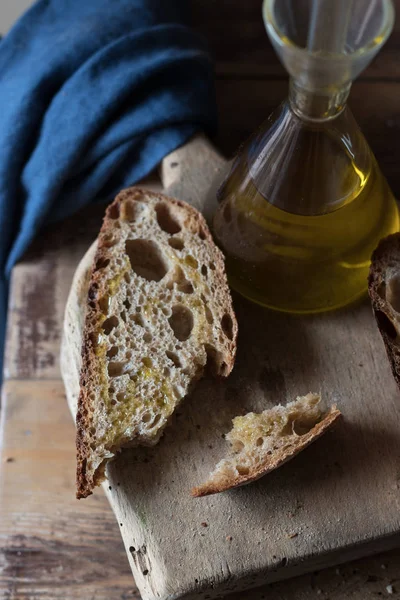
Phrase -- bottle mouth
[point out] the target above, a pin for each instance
(327, 32)
(326, 44)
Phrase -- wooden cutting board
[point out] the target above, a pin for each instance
(338, 500)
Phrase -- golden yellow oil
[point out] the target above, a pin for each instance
(304, 263)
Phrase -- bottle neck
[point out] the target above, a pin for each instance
(317, 105)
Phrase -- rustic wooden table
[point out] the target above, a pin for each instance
(50, 545)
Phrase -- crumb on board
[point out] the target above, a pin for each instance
(204, 524)
(390, 589)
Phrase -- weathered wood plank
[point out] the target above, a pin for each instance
(38, 292)
(51, 545)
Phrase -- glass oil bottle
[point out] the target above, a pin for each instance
(305, 202)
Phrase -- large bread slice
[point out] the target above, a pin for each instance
(262, 442)
(158, 311)
(384, 291)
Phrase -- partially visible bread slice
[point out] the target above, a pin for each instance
(384, 291)
(262, 442)
(158, 309)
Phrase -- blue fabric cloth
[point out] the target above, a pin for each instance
(93, 94)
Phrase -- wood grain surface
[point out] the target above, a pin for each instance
(52, 546)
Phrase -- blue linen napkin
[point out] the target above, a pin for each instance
(93, 94)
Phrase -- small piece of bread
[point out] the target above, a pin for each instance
(384, 291)
(158, 310)
(262, 442)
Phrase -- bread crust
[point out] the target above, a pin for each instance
(88, 478)
(270, 462)
(384, 270)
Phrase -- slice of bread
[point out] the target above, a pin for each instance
(158, 311)
(262, 442)
(384, 291)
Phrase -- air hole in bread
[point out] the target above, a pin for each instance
(287, 429)
(186, 288)
(166, 220)
(237, 446)
(146, 418)
(204, 271)
(302, 426)
(108, 240)
(181, 322)
(242, 470)
(174, 358)
(128, 211)
(212, 266)
(227, 326)
(127, 304)
(104, 304)
(112, 352)
(259, 441)
(113, 211)
(116, 369)
(209, 315)
(102, 263)
(176, 243)
(137, 319)
(146, 259)
(120, 396)
(127, 278)
(213, 359)
(191, 261)
(147, 337)
(178, 277)
(156, 420)
(123, 316)
(393, 293)
(109, 324)
(202, 234)
(385, 324)
(147, 362)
